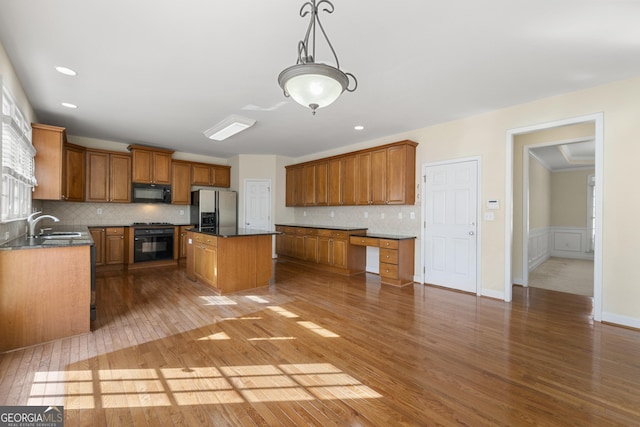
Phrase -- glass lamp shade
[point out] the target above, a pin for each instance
(313, 85)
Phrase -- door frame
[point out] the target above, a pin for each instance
(598, 120)
(526, 153)
(423, 193)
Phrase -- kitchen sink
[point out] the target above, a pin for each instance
(62, 235)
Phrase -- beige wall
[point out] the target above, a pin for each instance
(539, 195)
(485, 136)
(569, 198)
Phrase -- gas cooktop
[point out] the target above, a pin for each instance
(151, 223)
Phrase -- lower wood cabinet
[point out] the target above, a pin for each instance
(109, 243)
(205, 254)
(324, 248)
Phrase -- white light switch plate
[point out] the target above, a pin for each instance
(488, 216)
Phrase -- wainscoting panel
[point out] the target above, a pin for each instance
(561, 242)
(539, 250)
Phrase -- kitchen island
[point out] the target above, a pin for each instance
(230, 259)
(45, 288)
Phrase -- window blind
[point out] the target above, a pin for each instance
(16, 160)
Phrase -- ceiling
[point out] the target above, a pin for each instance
(160, 72)
(577, 155)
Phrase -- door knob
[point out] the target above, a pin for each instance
(471, 233)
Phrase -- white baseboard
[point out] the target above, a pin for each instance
(518, 281)
(631, 322)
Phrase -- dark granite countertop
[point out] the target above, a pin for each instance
(328, 227)
(23, 242)
(385, 236)
(234, 232)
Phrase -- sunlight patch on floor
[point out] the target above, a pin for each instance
(122, 388)
(218, 300)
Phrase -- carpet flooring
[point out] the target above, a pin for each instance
(574, 276)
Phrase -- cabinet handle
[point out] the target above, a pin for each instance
(122, 237)
(387, 256)
(387, 270)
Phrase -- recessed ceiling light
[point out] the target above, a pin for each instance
(66, 71)
(69, 105)
(359, 127)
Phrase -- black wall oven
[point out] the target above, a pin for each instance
(152, 243)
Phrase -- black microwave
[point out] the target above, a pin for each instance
(150, 193)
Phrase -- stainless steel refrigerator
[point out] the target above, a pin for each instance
(214, 209)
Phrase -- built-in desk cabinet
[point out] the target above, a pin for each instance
(396, 257)
(110, 245)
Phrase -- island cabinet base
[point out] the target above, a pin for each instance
(229, 264)
(45, 294)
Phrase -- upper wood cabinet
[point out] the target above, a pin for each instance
(210, 175)
(180, 182)
(381, 175)
(150, 165)
(59, 166)
(108, 176)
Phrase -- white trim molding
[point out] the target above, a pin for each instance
(570, 242)
(631, 322)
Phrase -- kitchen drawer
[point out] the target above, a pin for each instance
(281, 228)
(324, 232)
(339, 234)
(300, 230)
(115, 231)
(312, 231)
(363, 241)
(389, 244)
(207, 240)
(389, 256)
(389, 271)
(290, 230)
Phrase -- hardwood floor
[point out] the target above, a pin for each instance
(320, 349)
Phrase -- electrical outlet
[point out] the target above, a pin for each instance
(99, 211)
(304, 213)
(366, 214)
(332, 214)
(399, 215)
(181, 211)
(6, 235)
(412, 215)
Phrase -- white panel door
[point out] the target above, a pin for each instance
(257, 204)
(451, 201)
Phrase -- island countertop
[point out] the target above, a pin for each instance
(327, 227)
(233, 232)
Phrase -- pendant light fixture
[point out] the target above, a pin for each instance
(309, 83)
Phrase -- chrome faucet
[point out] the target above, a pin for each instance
(32, 221)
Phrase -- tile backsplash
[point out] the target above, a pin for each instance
(393, 219)
(102, 214)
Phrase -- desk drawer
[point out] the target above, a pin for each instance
(339, 234)
(389, 244)
(389, 256)
(389, 271)
(363, 241)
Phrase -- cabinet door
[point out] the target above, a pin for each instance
(322, 187)
(298, 246)
(309, 185)
(120, 178)
(97, 234)
(290, 196)
(73, 175)
(48, 140)
(221, 176)
(339, 253)
(200, 174)
(298, 177)
(161, 168)
(363, 186)
(334, 184)
(379, 177)
(182, 248)
(114, 246)
(97, 176)
(142, 164)
(181, 183)
(401, 173)
(210, 265)
(349, 180)
(311, 248)
(324, 250)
